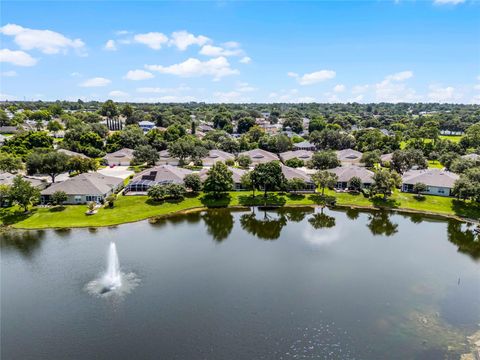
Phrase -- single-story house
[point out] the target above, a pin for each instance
(292, 173)
(438, 181)
(236, 176)
(216, 155)
(72, 153)
(158, 175)
(304, 145)
(166, 159)
(205, 128)
(146, 125)
(260, 156)
(346, 173)
(84, 188)
(304, 155)
(349, 156)
(6, 178)
(122, 157)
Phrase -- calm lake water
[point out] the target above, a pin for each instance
(289, 284)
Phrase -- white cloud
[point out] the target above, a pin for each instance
(246, 60)
(215, 51)
(118, 94)
(75, 74)
(110, 45)
(443, 94)
(231, 44)
(448, 2)
(122, 32)
(314, 77)
(339, 88)
(183, 39)
(95, 82)
(17, 57)
(167, 99)
(7, 97)
(47, 41)
(476, 87)
(217, 67)
(154, 40)
(359, 89)
(228, 97)
(245, 87)
(11, 73)
(138, 75)
(393, 89)
(288, 96)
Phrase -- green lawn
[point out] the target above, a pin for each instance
(135, 208)
(452, 138)
(434, 164)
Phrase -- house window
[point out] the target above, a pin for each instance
(78, 198)
(91, 198)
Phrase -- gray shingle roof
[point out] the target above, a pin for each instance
(6, 178)
(292, 173)
(349, 155)
(304, 155)
(260, 156)
(124, 154)
(85, 184)
(72, 153)
(216, 155)
(346, 173)
(163, 174)
(236, 174)
(430, 177)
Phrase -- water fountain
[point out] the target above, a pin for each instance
(113, 277)
(113, 281)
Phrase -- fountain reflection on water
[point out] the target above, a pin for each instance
(113, 281)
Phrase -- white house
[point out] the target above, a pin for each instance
(438, 181)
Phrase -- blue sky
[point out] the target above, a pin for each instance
(325, 51)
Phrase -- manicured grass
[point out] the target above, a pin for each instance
(135, 208)
(434, 164)
(452, 138)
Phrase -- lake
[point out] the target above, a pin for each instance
(263, 284)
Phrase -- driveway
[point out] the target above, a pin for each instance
(117, 171)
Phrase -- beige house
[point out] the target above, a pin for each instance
(304, 155)
(84, 188)
(122, 157)
(260, 156)
(346, 173)
(216, 155)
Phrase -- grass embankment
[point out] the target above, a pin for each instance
(135, 208)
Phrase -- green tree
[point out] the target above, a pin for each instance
(244, 161)
(81, 165)
(110, 199)
(356, 183)
(219, 180)
(268, 177)
(193, 182)
(244, 124)
(145, 154)
(54, 126)
(323, 160)
(59, 197)
(51, 163)
(23, 193)
(419, 188)
(384, 182)
(156, 192)
(295, 184)
(109, 109)
(370, 158)
(10, 163)
(324, 179)
(294, 163)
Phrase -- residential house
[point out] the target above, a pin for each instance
(346, 173)
(146, 125)
(304, 155)
(260, 156)
(438, 181)
(386, 158)
(236, 176)
(304, 145)
(204, 128)
(216, 155)
(349, 156)
(474, 157)
(293, 173)
(122, 157)
(8, 129)
(166, 159)
(6, 178)
(158, 175)
(84, 188)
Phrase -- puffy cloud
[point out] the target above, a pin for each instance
(246, 60)
(17, 57)
(110, 45)
(138, 75)
(228, 97)
(11, 73)
(231, 44)
(214, 51)
(217, 67)
(339, 88)
(153, 40)
(47, 41)
(245, 87)
(360, 89)
(393, 89)
(158, 90)
(95, 82)
(443, 94)
(183, 39)
(118, 94)
(314, 77)
(448, 2)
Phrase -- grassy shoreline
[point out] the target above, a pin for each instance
(136, 208)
